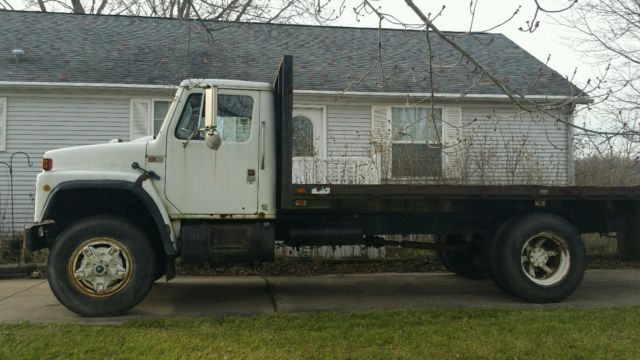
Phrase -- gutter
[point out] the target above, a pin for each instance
(322, 93)
(443, 96)
(43, 84)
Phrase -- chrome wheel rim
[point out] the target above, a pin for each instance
(545, 259)
(100, 267)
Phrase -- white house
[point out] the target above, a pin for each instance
(86, 79)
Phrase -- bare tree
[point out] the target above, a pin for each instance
(610, 30)
(6, 5)
(483, 74)
(607, 33)
(616, 43)
(220, 10)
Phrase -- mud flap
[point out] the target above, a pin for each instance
(629, 233)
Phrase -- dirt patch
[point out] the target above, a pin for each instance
(307, 267)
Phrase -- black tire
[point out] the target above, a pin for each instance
(547, 277)
(468, 264)
(496, 234)
(133, 252)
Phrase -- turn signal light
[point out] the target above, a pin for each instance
(47, 164)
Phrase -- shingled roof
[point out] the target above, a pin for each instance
(72, 48)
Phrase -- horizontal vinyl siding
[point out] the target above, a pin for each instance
(348, 131)
(505, 146)
(37, 124)
(497, 144)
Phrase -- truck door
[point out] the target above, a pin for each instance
(201, 181)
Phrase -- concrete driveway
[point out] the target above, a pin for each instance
(32, 300)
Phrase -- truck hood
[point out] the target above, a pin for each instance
(105, 157)
(144, 139)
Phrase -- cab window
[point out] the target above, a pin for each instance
(191, 118)
(235, 113)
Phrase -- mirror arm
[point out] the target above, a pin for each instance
(263, 140)
(210, 108)
(211, 136)
(196, 131)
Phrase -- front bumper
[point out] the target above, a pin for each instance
(36, 236)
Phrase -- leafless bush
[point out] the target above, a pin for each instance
(610, 170)
(478, 161)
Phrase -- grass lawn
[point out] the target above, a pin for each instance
(457, 333)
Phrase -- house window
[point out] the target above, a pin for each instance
(303, 137)
(160, 109)
(416, 149)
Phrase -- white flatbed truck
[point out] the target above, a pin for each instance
(116, 216)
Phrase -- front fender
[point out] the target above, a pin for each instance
(132, 182)
(53, 180)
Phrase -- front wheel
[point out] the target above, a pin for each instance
(101, 266)
(539, 257)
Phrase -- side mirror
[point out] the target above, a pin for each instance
(212, 138)
(211, 135)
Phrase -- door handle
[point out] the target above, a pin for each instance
(264, 146)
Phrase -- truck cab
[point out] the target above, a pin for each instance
(158, 189)
(237, 178)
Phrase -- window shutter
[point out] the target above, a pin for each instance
(381, 126)
(451, 137)
(452, 133)
(381, 138)
(3, 123)
(140, 118)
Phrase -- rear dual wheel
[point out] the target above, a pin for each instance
(539, 257)
(470, 264)
(101, 266)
